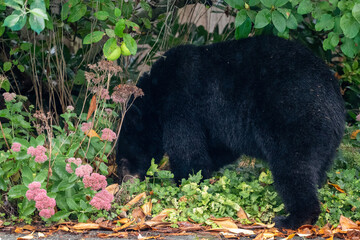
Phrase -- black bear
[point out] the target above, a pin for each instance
(265, 97)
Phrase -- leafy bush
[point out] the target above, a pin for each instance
(58, 157)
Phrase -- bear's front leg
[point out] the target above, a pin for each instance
(185, 143)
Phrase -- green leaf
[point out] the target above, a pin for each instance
(326, 22)
(65, 11)
(28, 210)
(2, 29)
(7, 66)
(305, 7)
(349, 25)
(117, 12)
(348, 47)
(25, 46)
(102, 15)
(5, 85)
(17, 191)
(39, 13)
(82, 217)
(79, 77)
(21, 68)
(130, 43)
(238, 4)
(146, 7)
(109, 47)
(72, 204)
(11, 20)
(77, 12)
(279, 21)
(41, 177)
(241, 16)
(119, 28)
(37, 23)
(60, 215)
(263, 18)
(110, 33)
(356, 12)
(331, 41)
(93, 37)
(254, 2)
(13, 4)
(268, 3)
(146, 22)
(280, 3)
(49, 24)
(243, 30)
(21, 21)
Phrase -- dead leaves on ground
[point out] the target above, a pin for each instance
(228, 227)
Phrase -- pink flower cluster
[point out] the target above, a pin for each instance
(76, 161)
(9, 96)
(38, 153)
(86, 127)
(43, 203)
(108, 135)
(69, 108)
(16, 147)
(102, 200)
(104, 94)
(83, 170)
(95, 181)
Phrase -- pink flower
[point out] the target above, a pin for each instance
(31, 194)
(44, 202)
(108, 111)
(102, 200)
(108, 135)
(95, 181)
(34, 185)
(83, 170)
(9, 96)
(86, 127)
(34, 190)
(76, 161)
(16, 147)
(69, 108)
(358, 118)
(38, 153)
(104, 94)
(47, 213)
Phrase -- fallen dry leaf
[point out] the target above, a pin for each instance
(122, 221)
(133, 201)
(354, 134)
(163, 214)
(304, 231)
(336, 187)
(30, 236)
(330, 238)
(91, 133)
(150, 237)
(347, 224)
(325, 231)
(227, 223)
(92, 107)
(63, 228)
(138, 214)
(41, 235)
(289, 237)
(113, 188)
(147, 207)
(116, 229)
(242, 231)
(241, 214)
(85, 226)
(118, 234)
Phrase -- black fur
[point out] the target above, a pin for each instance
(264, 97)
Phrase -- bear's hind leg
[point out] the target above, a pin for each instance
(297, 186)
